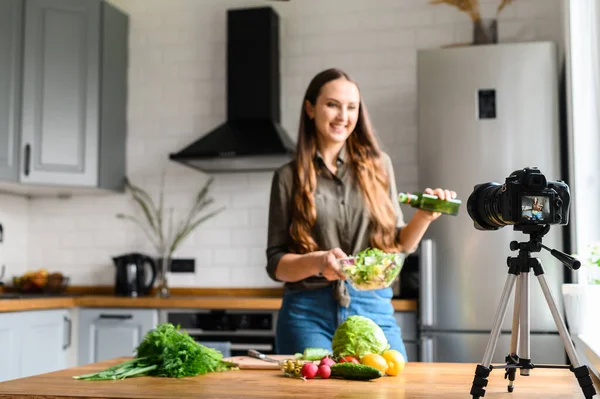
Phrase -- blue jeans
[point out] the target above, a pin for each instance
(308, 319)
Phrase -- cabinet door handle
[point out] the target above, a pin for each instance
(69, 328)
(27, 158)
(426, 349)
(116, 316)
(242, 346)
(426, 268)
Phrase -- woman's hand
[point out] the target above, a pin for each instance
(441, 194)
(330, 267)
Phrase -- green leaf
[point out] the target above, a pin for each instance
(204, 190)
(159, 212)
(358, 336)
(167, 242)
(143, 199)
(198, 205)
(191, 228)
(178, 355)
(137, 222)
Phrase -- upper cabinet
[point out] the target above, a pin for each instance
(11, 13)
(63, 95)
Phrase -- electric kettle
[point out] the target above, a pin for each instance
(135, 274)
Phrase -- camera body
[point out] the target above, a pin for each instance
(525, 198)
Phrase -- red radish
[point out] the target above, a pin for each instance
(324, 371)
(327, 361)
(309, 370)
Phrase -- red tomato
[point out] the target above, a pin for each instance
(349, 359)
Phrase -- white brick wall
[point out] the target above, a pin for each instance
(177, 93)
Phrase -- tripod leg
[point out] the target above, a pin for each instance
(524, 355)
(514, 338)
(513, 358)
(482, 371)
(581, 371)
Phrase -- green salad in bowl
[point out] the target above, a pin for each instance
(372, 268)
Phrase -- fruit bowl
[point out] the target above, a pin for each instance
(41, 281)
(372, 269)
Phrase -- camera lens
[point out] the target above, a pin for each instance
(525, 200)
(483, 206)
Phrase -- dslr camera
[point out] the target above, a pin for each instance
(525, 198)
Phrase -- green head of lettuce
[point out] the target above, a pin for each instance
(358, 336)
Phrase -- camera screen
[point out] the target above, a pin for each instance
(535, 208)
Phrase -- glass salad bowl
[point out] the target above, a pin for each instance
(372, 269)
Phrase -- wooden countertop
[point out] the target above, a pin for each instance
(419, 380)
(199, 302)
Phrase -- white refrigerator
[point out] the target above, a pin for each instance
(484, 112)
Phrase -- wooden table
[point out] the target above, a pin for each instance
(419, 380)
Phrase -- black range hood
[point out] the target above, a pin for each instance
(252, 138)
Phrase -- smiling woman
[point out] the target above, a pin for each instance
(337, 197)
(335, 113)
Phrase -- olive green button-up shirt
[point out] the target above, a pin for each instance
(342, 217)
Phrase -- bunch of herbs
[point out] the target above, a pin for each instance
(166, 351)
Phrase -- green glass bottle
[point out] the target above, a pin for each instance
(430, 202)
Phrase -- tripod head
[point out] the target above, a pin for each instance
(536, 233)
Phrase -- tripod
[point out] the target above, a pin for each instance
(518, 271)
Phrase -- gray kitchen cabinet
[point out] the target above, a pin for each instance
(45, 339)
(407, 321)
(11, 12)
(110, 333)
(73, 86)
(33, 342)
(10, 344)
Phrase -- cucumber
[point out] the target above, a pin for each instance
(315, 353)
(353, 371)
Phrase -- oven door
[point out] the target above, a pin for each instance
(235, 345)
(232, 332)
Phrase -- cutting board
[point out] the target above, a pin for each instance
(251, 363)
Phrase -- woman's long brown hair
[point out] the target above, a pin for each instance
(365, 157)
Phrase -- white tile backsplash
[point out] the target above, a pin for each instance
(15, 245)
(177, 93)
(231, 256)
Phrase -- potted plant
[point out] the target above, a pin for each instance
(160, 229)
(581, 299)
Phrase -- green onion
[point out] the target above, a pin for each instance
(166, 351)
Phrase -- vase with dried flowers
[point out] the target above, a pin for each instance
(164, 236)
(485, 31)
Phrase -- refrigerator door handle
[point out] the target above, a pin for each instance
(427, 349)
(426, 283)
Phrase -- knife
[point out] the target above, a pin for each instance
(256, 354)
